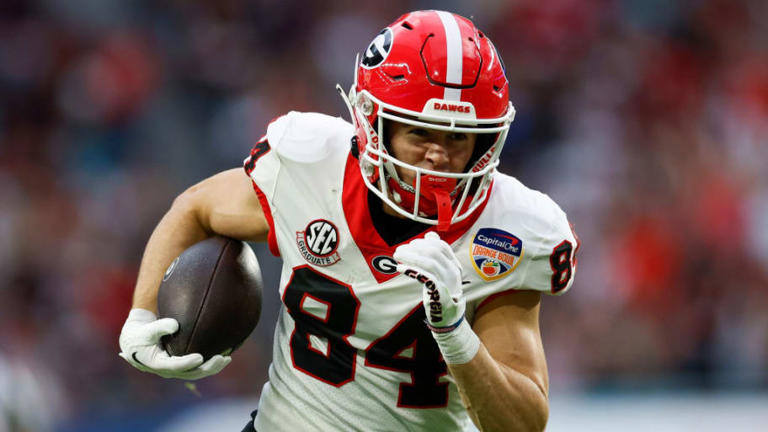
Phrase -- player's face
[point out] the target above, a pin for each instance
(429, 148)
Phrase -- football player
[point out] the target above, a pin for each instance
(412, 269)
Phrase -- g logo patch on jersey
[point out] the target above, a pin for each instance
(495, 253)
(318, 243)
(384, 264)
(378, 50)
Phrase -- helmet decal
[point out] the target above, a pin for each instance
(378, 50)
(453, 51)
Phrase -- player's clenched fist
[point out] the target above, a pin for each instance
(140, 345)
(431, 261)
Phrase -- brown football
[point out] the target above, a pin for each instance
(213, 289)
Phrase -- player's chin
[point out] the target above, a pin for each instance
(406, 175)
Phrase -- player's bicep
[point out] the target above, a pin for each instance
(226, 204)
(508, 326)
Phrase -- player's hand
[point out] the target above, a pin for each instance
(140, 346)
(432, 262)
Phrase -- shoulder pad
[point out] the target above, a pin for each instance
(307, 137)
(538, 208)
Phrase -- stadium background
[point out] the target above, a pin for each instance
(647, 120)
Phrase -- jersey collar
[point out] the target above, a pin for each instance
(354, 201)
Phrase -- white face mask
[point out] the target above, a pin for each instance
(409, 200)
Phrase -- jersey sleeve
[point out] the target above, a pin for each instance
(550, 266)
(293, 144)
(262, 166)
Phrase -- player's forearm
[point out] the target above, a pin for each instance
(498, 397)
(177, 230)
(223, 204)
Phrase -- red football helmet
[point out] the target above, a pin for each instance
(436, 70)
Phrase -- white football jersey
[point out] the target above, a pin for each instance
(351, 349)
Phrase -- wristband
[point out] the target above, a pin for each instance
(447, 329)
(458, 346)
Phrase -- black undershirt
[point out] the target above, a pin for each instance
(392, 229)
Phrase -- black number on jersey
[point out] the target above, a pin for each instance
(562, 268)
(334, 361)
(260, 149)
(409, 347)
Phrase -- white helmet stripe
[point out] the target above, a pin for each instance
(454, 54)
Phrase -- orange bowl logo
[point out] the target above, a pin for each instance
(495, 253)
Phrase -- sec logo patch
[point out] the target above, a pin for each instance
(495, 253)
(318, 243)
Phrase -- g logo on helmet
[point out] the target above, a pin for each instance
(378, 50)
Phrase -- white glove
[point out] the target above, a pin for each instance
(432, 262)
(140, 345)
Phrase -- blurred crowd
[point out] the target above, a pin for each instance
(647, 120)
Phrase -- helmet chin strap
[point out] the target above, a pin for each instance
(439, 189)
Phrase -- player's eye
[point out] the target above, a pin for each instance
(458, 136)
(421, 132)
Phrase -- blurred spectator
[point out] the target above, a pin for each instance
(30, 397)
